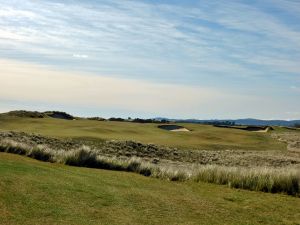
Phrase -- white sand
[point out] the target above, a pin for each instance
(180, 130)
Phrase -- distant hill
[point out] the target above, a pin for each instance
(250, 121)
(287, 123)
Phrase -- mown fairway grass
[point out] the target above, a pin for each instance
(201, 136)
(33, 192)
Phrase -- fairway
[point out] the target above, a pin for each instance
(33, 192)
(202, 137)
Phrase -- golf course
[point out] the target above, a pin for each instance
(44, 179)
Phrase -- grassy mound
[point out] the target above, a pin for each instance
(24, 114)
(35, 114)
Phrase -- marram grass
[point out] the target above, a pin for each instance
(257, 179)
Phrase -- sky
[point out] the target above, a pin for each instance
(200, 59)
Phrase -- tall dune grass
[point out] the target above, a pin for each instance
(257, 179)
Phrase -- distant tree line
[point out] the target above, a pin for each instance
(96, 118)
(116, 119)
(136, 120)
(219, 123)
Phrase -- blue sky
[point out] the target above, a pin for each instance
(183, 59)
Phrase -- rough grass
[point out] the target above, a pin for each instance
(204, 137)
(257, 179)
(32, 192)
(163, 155)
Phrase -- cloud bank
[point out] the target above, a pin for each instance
(45, 86)
(42, 84)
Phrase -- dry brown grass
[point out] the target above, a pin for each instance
(258, 179)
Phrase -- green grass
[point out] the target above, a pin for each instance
(201, 137)
(33, 192)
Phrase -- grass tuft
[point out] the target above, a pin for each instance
(82, 157)
(11, 146)
(42, 153)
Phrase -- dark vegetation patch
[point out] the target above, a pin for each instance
(138, 120)
(59, 115)
(248, 128)
(116, 119)
(96, 118)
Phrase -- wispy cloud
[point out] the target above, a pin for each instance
(232, 36)
(80, 56)
(251, 48)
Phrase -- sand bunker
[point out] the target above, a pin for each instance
(267, 129)
(173, 128)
